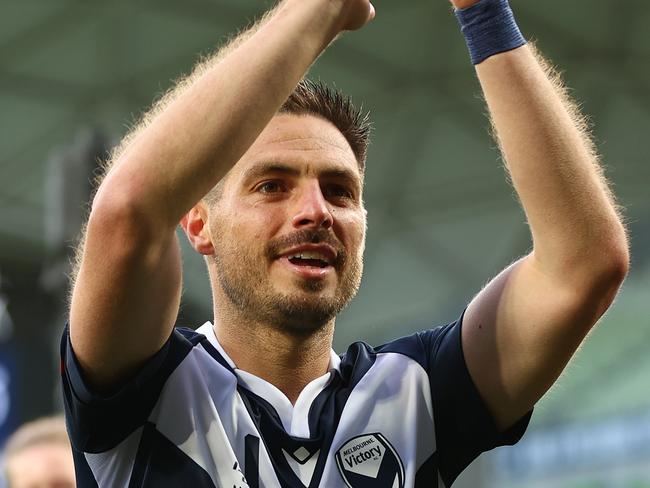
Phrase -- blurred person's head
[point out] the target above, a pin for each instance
(38, 455)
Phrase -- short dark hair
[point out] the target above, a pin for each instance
(316, 98)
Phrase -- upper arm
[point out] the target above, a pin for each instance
(126, 295)
(521, 330)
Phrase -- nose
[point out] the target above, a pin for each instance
(312, 209)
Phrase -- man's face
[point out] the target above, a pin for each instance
(289, 229)
(46, 465)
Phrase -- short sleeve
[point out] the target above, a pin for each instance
(97, 423)
(464, 426)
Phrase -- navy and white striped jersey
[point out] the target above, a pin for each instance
(405, 414)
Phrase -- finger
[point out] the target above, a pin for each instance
(463, 4)
(371, 13)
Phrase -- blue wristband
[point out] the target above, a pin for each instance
(489, 28)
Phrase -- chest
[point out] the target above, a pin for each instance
(375, 430)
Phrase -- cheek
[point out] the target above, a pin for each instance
(353, 231)
(252, 225)
(362, 244)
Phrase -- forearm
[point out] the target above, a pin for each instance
(553, 166)
(521, 330)
(211, 119)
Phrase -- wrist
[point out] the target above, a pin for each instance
(319, 20)
(489, 28)
(343, 15)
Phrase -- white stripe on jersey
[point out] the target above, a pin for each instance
(401, 410)
(113, 468)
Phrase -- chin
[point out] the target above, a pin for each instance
(306, 311)
(312, 286)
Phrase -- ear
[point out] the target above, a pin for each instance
(195, 225)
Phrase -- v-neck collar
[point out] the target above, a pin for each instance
(294, 418)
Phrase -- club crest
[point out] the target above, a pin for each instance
(369, 461)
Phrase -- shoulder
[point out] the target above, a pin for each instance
(98, 422)
(421, 347)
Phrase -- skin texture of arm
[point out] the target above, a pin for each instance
(521, 330)
(127, 292)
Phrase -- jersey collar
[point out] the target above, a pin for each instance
(295, 418)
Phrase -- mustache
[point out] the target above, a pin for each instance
(306, 236)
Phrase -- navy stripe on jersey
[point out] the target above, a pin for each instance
(252, 460)
(83, 475)
(161, 463)
(426, 476)
(464, 426)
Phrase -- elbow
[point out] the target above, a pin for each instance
(606, 274)
(616, 259)
(119, 223)
(610, 278)
(621, 265)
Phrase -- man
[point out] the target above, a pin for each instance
(38, 455)
(258, 398)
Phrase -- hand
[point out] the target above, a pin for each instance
(354, 13)
(460, 4)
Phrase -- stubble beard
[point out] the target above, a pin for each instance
(245, 282)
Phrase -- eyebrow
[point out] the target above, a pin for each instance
(262, 169)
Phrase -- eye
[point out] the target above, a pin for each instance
(272, 186)
(337, 191)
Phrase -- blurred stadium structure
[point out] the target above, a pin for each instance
(442, 218)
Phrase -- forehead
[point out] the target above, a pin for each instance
(306, 142)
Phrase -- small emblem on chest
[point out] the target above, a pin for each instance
(369, 461)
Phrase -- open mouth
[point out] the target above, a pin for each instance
(310, 259)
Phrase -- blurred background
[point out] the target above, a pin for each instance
(442, 219)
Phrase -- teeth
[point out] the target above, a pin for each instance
(309, 255)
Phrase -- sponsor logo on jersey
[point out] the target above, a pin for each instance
(369, 461)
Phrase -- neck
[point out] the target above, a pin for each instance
(287, 360)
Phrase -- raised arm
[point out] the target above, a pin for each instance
(521, 330)
(126, 295)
